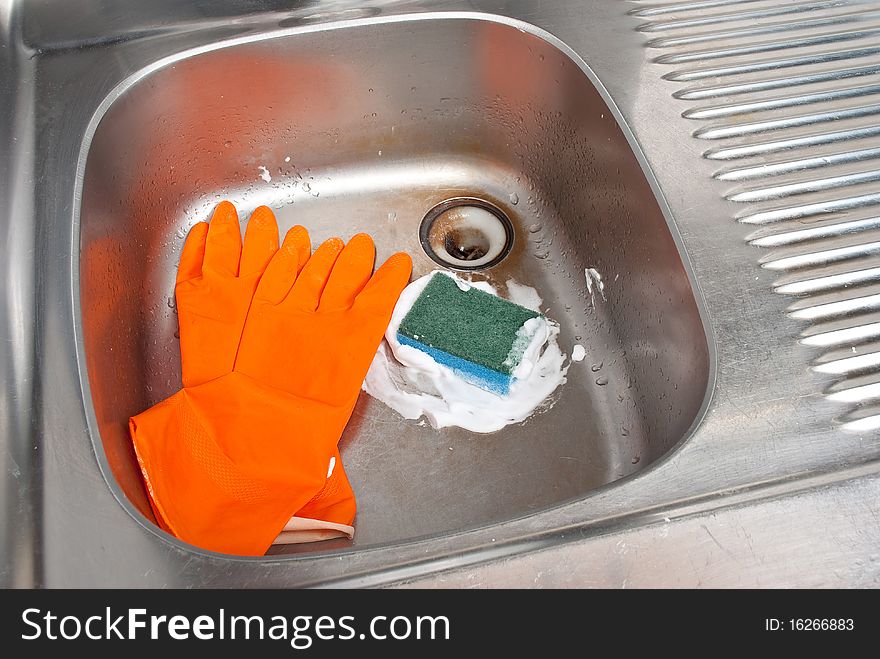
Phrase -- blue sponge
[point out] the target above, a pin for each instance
(484, 378)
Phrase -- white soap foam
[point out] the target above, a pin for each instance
(410, 382)
(524, 296)
(578, 353)
(594, 279)
(264, 173)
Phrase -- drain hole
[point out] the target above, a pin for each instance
(466, 244)
(466, 233)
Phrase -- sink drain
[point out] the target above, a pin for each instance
(466, 233)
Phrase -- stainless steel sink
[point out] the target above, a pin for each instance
(366, 127)
(712, 161)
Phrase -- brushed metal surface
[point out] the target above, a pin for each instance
(734, 550)
(20, 455)
(788, 493)
(803, 163)
(366, 127)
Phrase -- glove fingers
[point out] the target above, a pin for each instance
(260, 242)
(311, 281)
(350, 274)
(303, 244)
(284, 266)
(193, 253)
(381, 292)
(223, 245)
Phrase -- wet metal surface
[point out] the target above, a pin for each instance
(365, 128)
(93, 215)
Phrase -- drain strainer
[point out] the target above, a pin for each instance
(466, 233)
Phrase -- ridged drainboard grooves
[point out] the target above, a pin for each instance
(786, 97)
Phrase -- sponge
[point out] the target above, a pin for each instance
(480, 336)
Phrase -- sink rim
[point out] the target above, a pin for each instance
(146, 71)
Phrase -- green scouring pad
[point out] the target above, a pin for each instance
(480, 336)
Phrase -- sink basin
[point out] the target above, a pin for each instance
(366, 127)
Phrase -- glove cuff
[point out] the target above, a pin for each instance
(300, 530)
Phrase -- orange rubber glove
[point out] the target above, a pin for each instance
(216, 280)
(227, 462)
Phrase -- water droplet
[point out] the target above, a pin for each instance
(597, 367)
(602, 381)
(227, 143)
(636, 459)
(306, 186)
(624, 431)
(514, 198)
(535, 228)
(542, 255)
(392, 215)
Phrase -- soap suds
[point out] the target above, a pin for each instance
(527, 341)
(410, 382)
(594, 279)
(524, 296)
(578, 353)
(264, 174)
